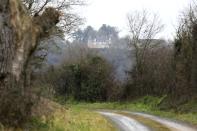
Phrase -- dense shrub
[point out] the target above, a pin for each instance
(89, 79)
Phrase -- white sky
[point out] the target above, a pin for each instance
(114, 12)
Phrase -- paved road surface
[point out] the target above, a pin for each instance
(126, 123)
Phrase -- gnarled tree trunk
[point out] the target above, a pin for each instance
(19, 35)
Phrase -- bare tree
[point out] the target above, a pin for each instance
(143, 28)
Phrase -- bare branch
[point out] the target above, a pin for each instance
(42, 7)
(143, 28)
(69, 21)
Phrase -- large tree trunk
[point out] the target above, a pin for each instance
(19, 35)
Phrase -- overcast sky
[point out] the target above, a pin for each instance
(114, 12)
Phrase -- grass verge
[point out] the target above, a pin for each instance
(70, 118)
(147, 105)
(78, 116)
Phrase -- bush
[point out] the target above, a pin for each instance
(89, 79)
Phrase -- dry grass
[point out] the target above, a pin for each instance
(55, 117)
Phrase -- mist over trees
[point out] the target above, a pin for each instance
(97, 65)
(107, 43)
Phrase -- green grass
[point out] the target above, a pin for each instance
(78, 116)
(147, 105)
(72, 118)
